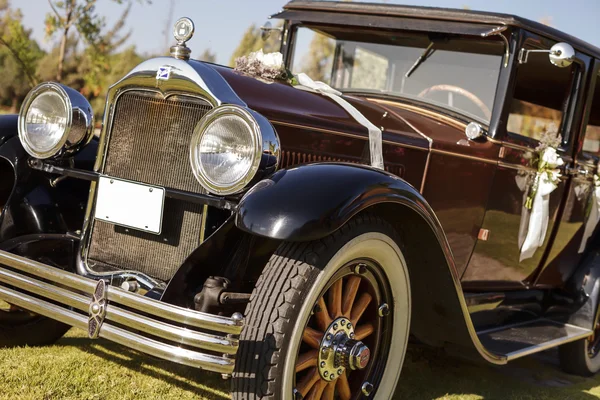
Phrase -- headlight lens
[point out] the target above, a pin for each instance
(226, 149)
(54, 119)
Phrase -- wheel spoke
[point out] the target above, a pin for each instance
(307, 360)
(322, 315)
(363, 331)
(350, 291)
(312, 337)
(329, 392)
(317, 390)
(343, 387)
(308, 382)
(359, 307)
(335, 299)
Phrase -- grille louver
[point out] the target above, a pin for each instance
(149, 143)
(293, 158)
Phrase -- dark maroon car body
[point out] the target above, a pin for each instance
(454, 200)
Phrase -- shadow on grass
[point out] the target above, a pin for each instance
(427, 374)
(430, 374)
(180, 376)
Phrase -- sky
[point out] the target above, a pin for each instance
(220, 24)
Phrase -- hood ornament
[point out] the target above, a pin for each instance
(182, 31)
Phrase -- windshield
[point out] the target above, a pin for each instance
(453, 72)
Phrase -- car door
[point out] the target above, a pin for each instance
(543, 96)
(580, 213)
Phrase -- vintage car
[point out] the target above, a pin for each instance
(292, 234)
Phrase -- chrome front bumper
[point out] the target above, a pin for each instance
(149, 326)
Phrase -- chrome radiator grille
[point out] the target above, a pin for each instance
(149, 143)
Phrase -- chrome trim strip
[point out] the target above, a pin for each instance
(78, 293)
(351, 135)
(459, 155)
(424, 136)
(423, 111)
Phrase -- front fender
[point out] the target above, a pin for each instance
(30, 203)
(312, 201)
(8, 127)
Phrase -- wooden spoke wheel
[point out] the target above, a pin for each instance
(342, 337)
(328, 319)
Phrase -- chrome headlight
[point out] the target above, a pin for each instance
(227, 148)
(55, 120)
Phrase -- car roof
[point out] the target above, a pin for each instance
(302, 10)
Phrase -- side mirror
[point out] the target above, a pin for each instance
(561, 54)
(267, 29)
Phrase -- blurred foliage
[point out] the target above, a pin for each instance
(208, 56)
(99, 46)
(317, 63)
(19, 55)
(87, 54)
(252, 41)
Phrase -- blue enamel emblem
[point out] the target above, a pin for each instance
(163, 73)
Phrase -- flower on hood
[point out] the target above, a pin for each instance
(261, 65)
(269, 60)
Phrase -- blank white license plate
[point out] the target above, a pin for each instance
(130, 204)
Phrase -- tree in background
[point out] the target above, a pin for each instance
(252, 41)
(208, 56)
(81, 16)
(318, 61)
(71, 64)
(18, 57)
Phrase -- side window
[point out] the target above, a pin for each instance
(541, 95)
(591, 143)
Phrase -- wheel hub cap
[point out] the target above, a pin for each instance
(340, 351)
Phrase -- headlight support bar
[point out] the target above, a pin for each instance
(92, 176)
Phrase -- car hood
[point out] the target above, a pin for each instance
(283, 104)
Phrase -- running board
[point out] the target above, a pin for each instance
(519, 340)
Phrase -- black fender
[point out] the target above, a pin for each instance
(30, 203)
(8, 127)
(312, 201)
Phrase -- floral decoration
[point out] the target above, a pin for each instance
(270, 66)
(546, 160)
(263, 65)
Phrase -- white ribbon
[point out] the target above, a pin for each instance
(538, 217)
(524, 183)
(592, 220)
(375, 140)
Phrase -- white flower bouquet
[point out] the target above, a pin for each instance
(263, 65)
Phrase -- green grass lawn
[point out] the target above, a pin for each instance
(79, 368)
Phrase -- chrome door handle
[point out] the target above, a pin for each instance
(576, 171)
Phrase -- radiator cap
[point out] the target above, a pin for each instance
(182, 31)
